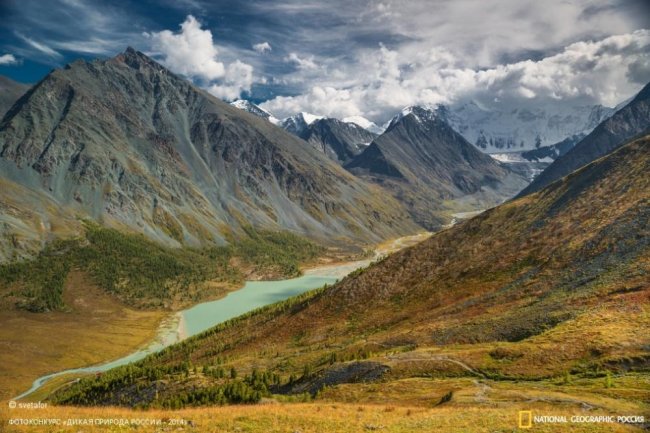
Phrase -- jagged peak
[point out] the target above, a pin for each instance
(421, 113)
(137, 59)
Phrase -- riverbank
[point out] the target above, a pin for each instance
(254, 294)
(342, 268)
(96, 325)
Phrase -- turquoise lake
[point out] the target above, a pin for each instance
(203, 316)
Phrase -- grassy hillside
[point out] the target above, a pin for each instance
(549, 292)
(146, 274)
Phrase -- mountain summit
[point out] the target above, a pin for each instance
(249, 107)
(126, 142)
(427, 165)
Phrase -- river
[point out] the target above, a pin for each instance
(252, 295)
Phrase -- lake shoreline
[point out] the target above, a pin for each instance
(185, 323)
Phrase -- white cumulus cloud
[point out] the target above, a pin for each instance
(192, 52)
(384, 80)
(238, 77)
(305, 63)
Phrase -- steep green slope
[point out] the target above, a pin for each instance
(562, 294)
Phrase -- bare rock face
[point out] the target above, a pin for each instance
(631, 121)
(10, 92)
(128, 143)
(340, 141)
(427, 166)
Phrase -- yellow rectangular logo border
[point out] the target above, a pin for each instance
(525, 415)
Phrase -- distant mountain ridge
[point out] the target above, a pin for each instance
(519, 129)
(630, 121)
(428, 165)
(126, 142)
(492, 131)
(339, 140)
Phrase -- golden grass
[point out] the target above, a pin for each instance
(97, 328)
(613, 330)
(319, 417)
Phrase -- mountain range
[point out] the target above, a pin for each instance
(185, 168)
(517, 129)
(340, 140)
(125, 142)
(490, 130)
(433, 169)
(631, 120)
(474, 309)
(421, 160)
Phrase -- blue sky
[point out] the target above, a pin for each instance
(344, 58)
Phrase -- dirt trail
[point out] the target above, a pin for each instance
(435, 358)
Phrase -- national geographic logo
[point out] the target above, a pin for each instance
(525, 419)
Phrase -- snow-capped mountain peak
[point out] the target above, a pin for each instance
(520, 128)
(249, 107)
(421, 112)
(364, 123)
(298, 123)
(310, 118)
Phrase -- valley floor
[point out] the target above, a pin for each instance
(97, 328)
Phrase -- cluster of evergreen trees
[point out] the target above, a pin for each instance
(231, 390)
(124, 386)
(279, 250)
(144, 273)
(43, 278)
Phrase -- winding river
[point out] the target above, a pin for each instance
(254, 294)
